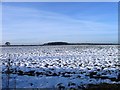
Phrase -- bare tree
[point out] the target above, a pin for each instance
(7, 43)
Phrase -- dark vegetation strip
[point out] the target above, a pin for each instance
(62, 43)
(103, 86)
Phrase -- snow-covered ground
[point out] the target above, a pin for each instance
(60, 66)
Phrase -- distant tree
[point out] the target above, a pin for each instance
(7, 43)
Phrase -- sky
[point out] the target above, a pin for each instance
(74, 22)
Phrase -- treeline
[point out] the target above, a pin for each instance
(61, 43)
(57, 43)
(65, 43)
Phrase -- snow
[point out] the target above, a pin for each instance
(60, 66)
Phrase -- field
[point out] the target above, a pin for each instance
(72, 66)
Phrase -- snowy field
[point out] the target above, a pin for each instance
(59, 66)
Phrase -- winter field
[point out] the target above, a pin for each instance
(72, 66)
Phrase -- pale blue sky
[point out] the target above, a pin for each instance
(37, 23)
